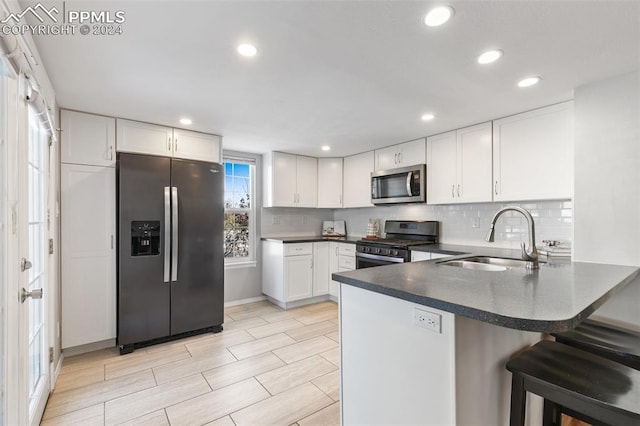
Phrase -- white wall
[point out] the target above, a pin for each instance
(607, 183)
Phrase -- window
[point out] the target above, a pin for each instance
(239, 210)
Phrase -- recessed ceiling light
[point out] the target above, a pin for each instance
(529, 81)
(185, 121)
(247, 50)
(489, 56)
(326, 148)
(427, 117)
(438, 16)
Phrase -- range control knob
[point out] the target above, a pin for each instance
(394, 252)
(378, 250)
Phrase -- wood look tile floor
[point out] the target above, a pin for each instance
(268, 367)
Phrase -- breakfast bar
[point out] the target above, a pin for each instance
(427, 342)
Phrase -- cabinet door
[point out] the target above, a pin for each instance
(387, 158)
(334, 286)
(320, 268)
(412, 153)
(144, 138)
(88, 256)
(283, 184)
(196, 146)
(474, 164)
(330, 182)
(532, 154)
(441, 168)
(87, 139)
(307, 181)
(357, 180)
(298, 277)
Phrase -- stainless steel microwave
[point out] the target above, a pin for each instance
(401, 185)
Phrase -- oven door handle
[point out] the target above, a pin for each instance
(378, 257)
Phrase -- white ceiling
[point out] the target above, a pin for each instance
(355, 75)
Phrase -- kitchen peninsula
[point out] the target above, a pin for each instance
(426, 343)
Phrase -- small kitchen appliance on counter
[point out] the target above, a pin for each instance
(334, 228)
(394, 248)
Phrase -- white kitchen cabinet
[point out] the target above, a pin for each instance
(298, 277)
(342, 258)
(533, 154)
(401, 155)
(88, 254)
(357, 180)
(320, 268)
(144, 138)
(459, 166)
(196, 146)
(290, 180)
(329, 182)
(294, 272)
(87, 139)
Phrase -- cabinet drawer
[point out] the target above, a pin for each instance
(348, 262)
(347, 249)
(298, 249)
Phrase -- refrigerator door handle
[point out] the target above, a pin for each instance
(174, 233)
(167, 232)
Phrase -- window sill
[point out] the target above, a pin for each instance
(238, 265)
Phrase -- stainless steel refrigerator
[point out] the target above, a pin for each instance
(170, 248)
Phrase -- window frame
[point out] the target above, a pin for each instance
(250, 260)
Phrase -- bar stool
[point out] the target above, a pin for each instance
(588, 387)
(609, 341)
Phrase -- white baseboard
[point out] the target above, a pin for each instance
(56, 372)
(245, 301)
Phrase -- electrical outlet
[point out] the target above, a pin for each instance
(429, 320)
(275, 220)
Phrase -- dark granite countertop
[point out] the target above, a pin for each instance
(311, 239)
(554, 298)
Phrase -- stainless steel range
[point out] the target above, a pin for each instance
(400, 236)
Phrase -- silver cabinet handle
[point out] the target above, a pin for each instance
(400, 157)
(110, 152)
(458, 190)
(174, 233)
(169, 145)
(175, 144)
(294, 198)
(112, 242)
(34, 294)
(453, 191)
(167, 232)
(340, 199)
(495, 188)
(25, 264)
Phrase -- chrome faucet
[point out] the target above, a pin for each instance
(531, 254)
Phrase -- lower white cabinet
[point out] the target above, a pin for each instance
(294, 272)
(342, 258)
(88, 254)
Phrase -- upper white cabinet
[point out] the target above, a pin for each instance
(357, 180)
(88, 139)
(145, 138)
(404, 154)
(459, 166)
(329, 182)
(532, 154)
(290, 180)
(196, 146)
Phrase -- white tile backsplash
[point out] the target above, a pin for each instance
(294, 222)
(553, 220)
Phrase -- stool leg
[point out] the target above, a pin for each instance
(518, 400)
(552, 414)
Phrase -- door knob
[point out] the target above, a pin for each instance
(34, 294)
(25, 264)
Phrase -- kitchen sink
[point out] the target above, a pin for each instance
(474, 265)
(485, 263)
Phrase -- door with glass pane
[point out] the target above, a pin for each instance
(33, 336)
